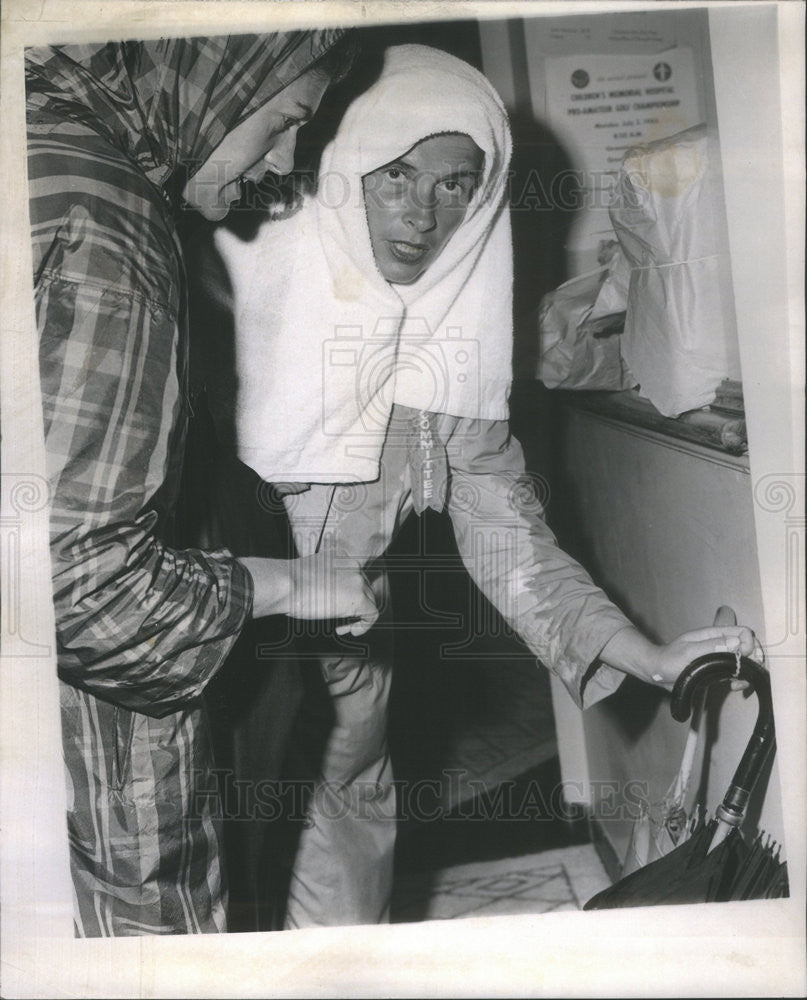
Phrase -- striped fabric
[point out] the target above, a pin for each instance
(141, 627)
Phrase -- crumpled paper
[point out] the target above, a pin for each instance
(677, 340)
(579, 325)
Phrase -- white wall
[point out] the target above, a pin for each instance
(757, 547)
(668, 531)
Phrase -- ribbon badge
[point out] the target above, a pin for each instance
(427, 463)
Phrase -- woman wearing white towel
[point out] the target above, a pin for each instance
(373, 359)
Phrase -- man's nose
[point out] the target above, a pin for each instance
(279, 158)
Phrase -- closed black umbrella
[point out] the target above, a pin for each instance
(715, 864)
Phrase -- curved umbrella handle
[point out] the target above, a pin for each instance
(707, 670)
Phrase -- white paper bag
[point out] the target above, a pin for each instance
(679, 340)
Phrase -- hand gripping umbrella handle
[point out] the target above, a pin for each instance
(707, 670)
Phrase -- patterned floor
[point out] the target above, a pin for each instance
(551, 881)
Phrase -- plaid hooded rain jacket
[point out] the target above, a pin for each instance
(141, 627)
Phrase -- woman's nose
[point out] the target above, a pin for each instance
(420, 211)
(279, 158)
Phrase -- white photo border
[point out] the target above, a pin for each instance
(740, 949)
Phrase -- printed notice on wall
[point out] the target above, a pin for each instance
(599, 106)
(621, 31)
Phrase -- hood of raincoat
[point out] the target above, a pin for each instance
(168, 103)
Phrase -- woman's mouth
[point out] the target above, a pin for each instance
(240, 187)
(407, 253)
(229, 194)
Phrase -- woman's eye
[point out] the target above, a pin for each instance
(394, 173)
(456, 189)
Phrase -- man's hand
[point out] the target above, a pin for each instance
(326, 586)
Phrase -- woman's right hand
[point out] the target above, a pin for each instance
(326, 586)
(330, 585)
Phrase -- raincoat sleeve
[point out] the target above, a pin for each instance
(138, 624)
(514, 559)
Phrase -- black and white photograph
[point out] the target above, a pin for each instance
(402, 499)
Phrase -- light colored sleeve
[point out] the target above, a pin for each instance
(513, 557)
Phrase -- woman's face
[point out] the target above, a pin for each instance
(415, 204)
(264, 141)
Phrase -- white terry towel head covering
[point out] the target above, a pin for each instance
(324, 344)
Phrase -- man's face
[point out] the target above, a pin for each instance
(264, 141)
(415, 204)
